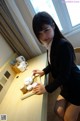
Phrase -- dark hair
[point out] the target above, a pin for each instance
(42, 18)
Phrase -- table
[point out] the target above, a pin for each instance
(33, 108)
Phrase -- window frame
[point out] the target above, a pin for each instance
(62, 14)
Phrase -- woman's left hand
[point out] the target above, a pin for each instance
(39, 89)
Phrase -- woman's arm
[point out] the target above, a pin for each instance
(47, 69)
(42, 72)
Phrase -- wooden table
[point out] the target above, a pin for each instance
(33, 108)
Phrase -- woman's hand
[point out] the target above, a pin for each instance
(40, 72)
(39, 89)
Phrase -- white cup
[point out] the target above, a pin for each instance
(28, 81)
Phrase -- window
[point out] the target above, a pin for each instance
(73, 7)
(64, 12)
(46, 5)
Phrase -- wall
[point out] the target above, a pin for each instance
(74, 37)
(6, 56)
(5, 51)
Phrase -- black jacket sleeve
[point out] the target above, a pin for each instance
(47, 69)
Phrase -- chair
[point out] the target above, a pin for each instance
(77, 53)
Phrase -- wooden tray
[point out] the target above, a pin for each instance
(27, 93)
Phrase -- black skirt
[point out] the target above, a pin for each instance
(71, 94)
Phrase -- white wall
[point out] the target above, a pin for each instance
(5, 51)
(74, 37)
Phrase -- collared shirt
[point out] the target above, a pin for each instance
(49, 50)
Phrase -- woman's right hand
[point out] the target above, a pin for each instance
(40, 72)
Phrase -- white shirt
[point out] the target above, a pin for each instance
(48, 47)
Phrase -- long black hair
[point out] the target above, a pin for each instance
(42, 18)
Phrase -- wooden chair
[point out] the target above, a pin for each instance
(77, 53)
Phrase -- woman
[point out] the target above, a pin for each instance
(61, 64)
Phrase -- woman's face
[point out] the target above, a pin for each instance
(47, 34)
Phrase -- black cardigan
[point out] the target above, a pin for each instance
(64, 70)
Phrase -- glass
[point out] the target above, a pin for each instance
(46, 5)
(73, 7)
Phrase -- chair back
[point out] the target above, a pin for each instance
(77, 53)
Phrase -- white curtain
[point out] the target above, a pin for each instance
(23, 18)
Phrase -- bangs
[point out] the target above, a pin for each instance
(39, 21)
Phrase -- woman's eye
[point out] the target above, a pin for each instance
(47, 30)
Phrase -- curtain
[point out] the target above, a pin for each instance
(11, 33)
